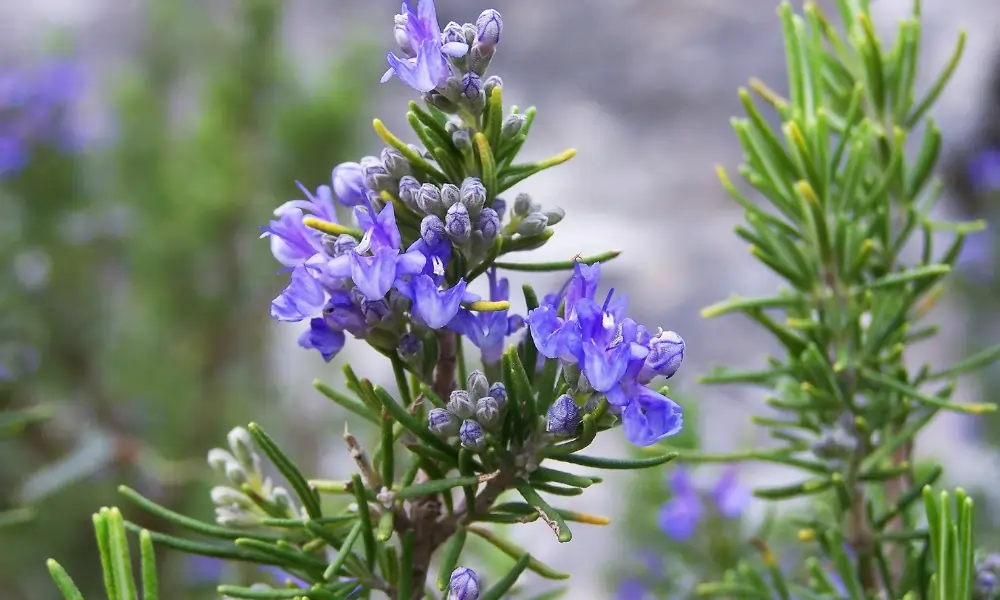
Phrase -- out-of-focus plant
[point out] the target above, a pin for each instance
(134, 283)
(843, 199)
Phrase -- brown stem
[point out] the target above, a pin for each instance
(859, 534)
(894, 490)
(447, 364)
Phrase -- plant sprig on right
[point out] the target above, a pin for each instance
(844, 199)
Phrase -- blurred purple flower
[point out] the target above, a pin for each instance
(977, 258)
(204, 569)
(631, 589)
(680, 516)
(32, 100)
(984, 171)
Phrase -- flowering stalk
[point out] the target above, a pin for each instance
(427, 221)
(847, 199)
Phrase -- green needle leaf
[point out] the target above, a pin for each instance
(63, 581)
(308, 497)
(498, 589)
(620, 464)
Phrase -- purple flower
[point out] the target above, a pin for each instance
(680, 516)
(617, 355)
(322, 337)
(292, 243)
(489, 330)
(303, 298)
(463, 584)
(731, 498)
(349, 184)
(434, 306)
(984, 171)
(631, 588)
(423, 65)
(32, 105)
(978, 256)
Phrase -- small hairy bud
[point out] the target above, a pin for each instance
(489, 224)
(283, 500)
(442, 423)
(480, 57)
(429, 199)
(499, 393)
(410, 348)
(472, 86)
(395, 163)
(461, 139)
(453, 32)
(477, 384)
(463, 585)
(472, 436)
(236, 475)
(555, 215)
(533, 224)
(409, 187)
(511, 126)
(377, 177)
(473, 196)
(458, 224)
(523, 205)
(432, 230)
(227, 516)
(487, 412)
(219, 459)
(242, 446)
(226, 496)
(440, 102)
(666, 353)
(489, 26)
(564, 416)
(461, 405)
(492, 82)
(450, 195)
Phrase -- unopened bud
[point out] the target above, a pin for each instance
(489, 26)
(432, 230)
(458, 224)
(533, 224)
(236, 475)
(489, 224)
(440, 102)
(283, 500)
(472, 436)
(480, 57)
(470, 32)
(377, 177)
(461, 139)
(461, 405)
(472, 87)
(229, 517)
(473, 196)
(242, 447)
(499, 393)
(555, 215)
(452, 33)
(487, 412)
(492, 82)
(666, 353)
(523, 205)
(429, 199)
(463, 585)
(442, 423)
(409, 187)
(450, 195)
(564, 416)
(395, 163)
(226, 496)
(477, 384)
(499, 205)
(410, 348)
(512, 126)
(219, 459)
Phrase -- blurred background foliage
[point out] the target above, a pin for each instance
(132, 331)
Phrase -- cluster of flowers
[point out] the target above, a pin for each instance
(394, 278)
(31, 102)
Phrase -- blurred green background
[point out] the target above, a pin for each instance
(133, 321)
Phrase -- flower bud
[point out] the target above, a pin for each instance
(666, 353)
(242, 447)
(452, 33)
(492, 82)
(511, 126)
(499, 393)
(533, 224)
(593, 401)
(450, 195)
(429, 199)
(410, 348)
(226, 496)
(564, 416)
(219, 459)
(409, 187)
(349, 184)
(461, 139)
(402, 38)
(229, 517)
(395, 163)
(458, 224)
(489, 224)
(472, 87)
(236, 475)
(442, 423)
(464, 585)
(473, 196)
(523, 205)
(472, 436)
(489, 26)
(555, 215)
(487, 412)
(477, 384)
(440, 102)
(461, 405)
(283, 500)
(480, 57)
(432, 230)
(376, 175)
(470, 32)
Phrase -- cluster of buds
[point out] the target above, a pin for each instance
(470, 413)
(529, 218)
(251, 496)
(454, 214)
